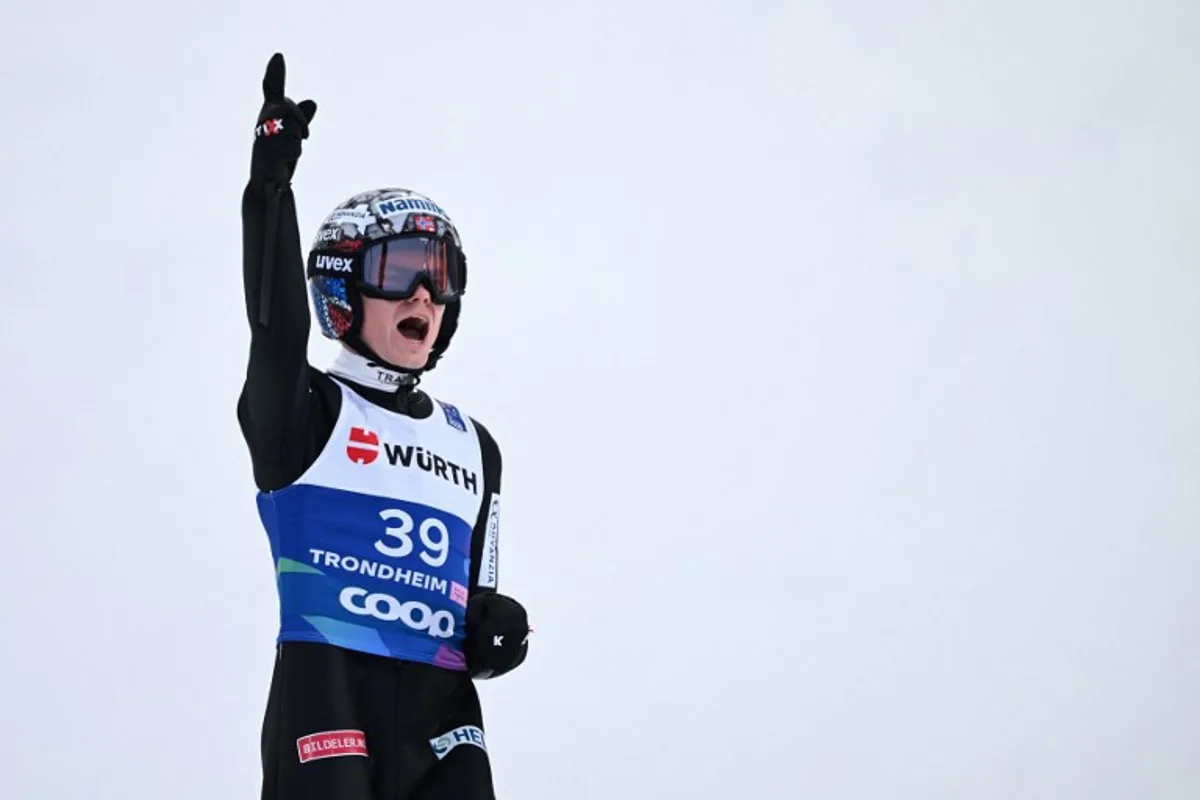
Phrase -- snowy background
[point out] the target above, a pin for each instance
(845, 357)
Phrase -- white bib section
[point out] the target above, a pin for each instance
(381, 453)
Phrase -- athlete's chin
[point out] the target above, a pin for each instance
(410, 355)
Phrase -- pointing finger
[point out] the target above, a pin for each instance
(274, 77)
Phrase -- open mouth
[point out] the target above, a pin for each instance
(414, 329)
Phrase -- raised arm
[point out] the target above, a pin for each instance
(273, 407)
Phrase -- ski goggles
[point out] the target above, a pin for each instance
(393, 268)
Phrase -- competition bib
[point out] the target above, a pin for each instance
(372, 544)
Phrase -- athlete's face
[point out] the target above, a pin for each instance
(402, 331)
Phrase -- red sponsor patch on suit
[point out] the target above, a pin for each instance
(330, 744)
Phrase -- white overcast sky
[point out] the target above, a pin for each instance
(845, 357)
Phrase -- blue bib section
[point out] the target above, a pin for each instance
(375, 574)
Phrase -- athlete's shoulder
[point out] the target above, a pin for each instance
(485, 436)
(490, 448)
(326, 388)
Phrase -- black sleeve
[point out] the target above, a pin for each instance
(485, 553)
(284, 423)
(485, 537)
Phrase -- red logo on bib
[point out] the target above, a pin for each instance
(363, 447)
(330, 744)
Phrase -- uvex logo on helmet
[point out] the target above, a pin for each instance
(334, 264)
(364, 445)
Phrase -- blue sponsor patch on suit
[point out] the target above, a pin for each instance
(453, 417)
(467, 734)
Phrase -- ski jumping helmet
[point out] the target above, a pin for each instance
(384, 243)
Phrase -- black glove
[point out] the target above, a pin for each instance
(282, 124)
(497, 635)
